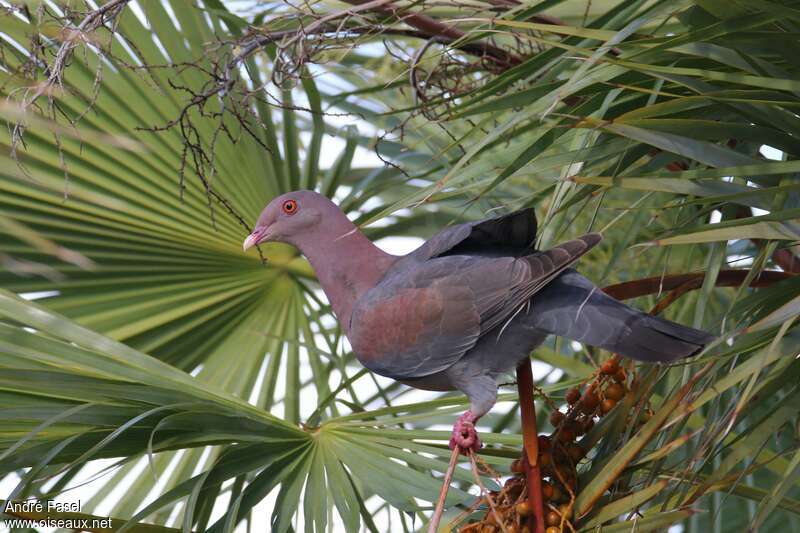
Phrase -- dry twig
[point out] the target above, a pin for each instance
(433, 525)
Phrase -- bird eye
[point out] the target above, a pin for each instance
(289, 207)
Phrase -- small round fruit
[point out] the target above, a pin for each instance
(607, 405)
(552, 529)
(610, 367)
(556, 418)
(547, 491)
(552, 518)
(517, 466)
(557, 494)
(620, 376)
(615, 391)
(523, 509)
(589, 402)
(565, 510)
(573, 395)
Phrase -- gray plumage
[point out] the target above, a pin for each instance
(467, 305)
(500, 298)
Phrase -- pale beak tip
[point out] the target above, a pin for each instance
(249, 242)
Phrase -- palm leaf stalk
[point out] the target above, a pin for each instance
(530, 444)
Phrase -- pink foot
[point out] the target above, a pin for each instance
(464, 434)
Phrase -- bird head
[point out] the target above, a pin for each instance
(294, 218)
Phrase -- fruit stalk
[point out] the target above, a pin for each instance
(530, 441)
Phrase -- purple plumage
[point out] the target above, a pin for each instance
(465, 307)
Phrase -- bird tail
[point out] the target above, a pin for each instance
(573, 307)
(650, 338)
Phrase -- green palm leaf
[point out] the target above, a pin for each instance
(126, 198)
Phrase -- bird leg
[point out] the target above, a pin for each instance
(464, 434)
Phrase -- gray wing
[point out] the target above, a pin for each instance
(514, 233)
(423, 319)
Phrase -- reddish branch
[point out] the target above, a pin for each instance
(686, 282)
(530, 440)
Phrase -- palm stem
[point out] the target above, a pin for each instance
(530, 441)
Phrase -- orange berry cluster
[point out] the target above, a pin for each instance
(562, 451)
(559, 455)
(603, 393)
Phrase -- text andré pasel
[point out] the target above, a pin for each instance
(46, 506)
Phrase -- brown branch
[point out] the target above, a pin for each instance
(687, 282)
(673, 295)
(226, 77)
(437, 29)
(530, 441)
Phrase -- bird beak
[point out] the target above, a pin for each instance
(254, 238)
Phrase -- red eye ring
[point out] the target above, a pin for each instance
(289, 207)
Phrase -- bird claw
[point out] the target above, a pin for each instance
(464, 434)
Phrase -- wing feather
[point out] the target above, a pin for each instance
(514, 232)
(422, 319)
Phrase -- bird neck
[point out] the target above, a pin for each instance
(347, 264)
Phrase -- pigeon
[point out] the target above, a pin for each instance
(463, 309)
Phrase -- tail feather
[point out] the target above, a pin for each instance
(650, 338)
(574, 308)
